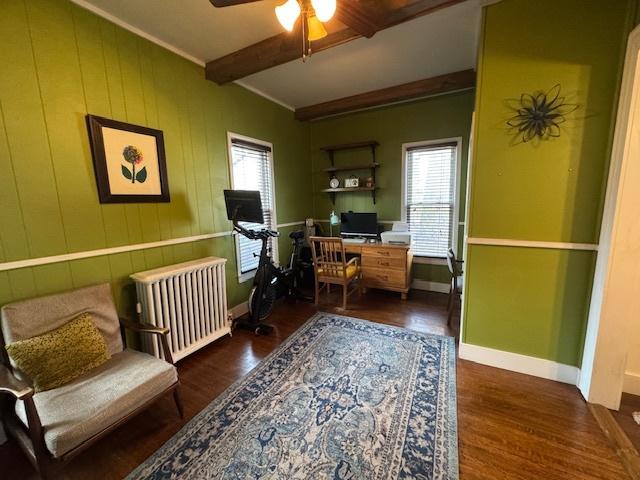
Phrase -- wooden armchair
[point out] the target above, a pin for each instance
(53, 426)
(331, 268)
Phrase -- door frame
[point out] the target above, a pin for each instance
(615, 299)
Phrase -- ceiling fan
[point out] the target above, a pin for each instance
(312, 12)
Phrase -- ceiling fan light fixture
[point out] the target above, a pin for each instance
(316, 29)
(288, 13)
(324, 9)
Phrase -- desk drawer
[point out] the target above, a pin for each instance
(382, 252)
(396, 263)
(380, 277)
(353, 248)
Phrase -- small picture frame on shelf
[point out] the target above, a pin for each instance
(352, 182)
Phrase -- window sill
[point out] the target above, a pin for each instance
(429, 260)
(244, 277)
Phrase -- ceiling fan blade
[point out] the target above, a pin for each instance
(357, 16)
(230, 3)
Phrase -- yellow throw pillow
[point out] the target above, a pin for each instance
(61, 355)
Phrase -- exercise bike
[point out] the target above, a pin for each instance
(270, 282)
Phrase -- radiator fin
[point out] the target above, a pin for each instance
(189, 299)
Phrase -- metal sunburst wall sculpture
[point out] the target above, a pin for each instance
(540, 115)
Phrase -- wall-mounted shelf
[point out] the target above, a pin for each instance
(352, 189)
(352, 168)
(350, 146)
(333, 192)
(331, 149)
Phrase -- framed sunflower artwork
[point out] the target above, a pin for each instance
(129, 161)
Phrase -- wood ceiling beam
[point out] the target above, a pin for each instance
(450, 82)
(229, 3)
(355, 15)
(285, 47)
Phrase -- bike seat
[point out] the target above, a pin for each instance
(297, 235)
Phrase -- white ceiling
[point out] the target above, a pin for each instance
(442, 42)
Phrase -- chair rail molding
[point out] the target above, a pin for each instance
(507, 242)
(67, 257)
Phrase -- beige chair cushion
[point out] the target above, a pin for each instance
(29, 318)
(79, 410)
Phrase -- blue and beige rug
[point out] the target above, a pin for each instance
(341, 399)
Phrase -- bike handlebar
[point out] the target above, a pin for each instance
(253, 234)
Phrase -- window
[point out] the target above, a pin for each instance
(252, 169)
(430, 195)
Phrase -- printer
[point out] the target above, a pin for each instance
(398, 235)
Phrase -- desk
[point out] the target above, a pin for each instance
(384, 266)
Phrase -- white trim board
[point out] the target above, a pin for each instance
(615, 306)
(67, 257)
(506, 242)
(515, 362)
(141, 33)
(429, 260)
(259, 92)
(388, 222)
(419, 284)
(631, 383)
(290, 224)
(239, 310)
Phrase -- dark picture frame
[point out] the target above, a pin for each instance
(104, 162)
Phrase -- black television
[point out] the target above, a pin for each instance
(359, 224)
(244, 206)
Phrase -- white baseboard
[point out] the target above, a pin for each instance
(430, 286)
(631, 383)
(538, 367)
(239, 310)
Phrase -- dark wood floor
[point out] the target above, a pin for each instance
(624, 417)
(511, 426)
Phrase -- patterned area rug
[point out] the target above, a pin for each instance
(341, 399)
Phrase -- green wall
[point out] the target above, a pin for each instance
(435, 118)
(535, 301)
(60, 62)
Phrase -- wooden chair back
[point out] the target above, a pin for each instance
(328, 257)
(452, 264)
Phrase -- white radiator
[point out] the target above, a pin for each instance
(188, 298)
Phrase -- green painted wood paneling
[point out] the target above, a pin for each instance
(61, 62)
(27, 136)
(531, 301)
(445, 116)
(535, 301)
(580, 47)
(431, 273)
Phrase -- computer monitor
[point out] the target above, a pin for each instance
(359, 224)
(244, 206)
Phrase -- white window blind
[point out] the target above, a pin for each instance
(251, 170)
(430, 197)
